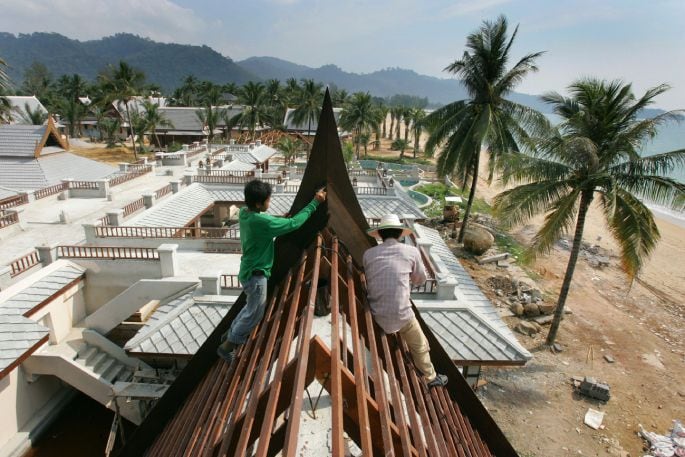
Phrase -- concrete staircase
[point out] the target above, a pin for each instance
(92, 364)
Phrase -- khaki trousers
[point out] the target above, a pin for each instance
(412, 334)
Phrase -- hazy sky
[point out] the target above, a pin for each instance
(640, 41)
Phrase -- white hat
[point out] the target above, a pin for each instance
(390, 221)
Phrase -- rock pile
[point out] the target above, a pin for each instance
(594, 254)
(524, 301)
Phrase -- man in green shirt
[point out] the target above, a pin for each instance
(257, 232)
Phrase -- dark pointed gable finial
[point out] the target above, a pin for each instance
(341, 212)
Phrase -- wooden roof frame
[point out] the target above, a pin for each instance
(217, 409)
(50, 130)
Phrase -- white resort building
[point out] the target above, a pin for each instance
(109, 287)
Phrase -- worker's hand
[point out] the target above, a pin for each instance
(320, 195)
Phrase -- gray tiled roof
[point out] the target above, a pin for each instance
(185, 206)
(176, 211)
(466, 336)
(30, 174)
(185, 118)
(20, 140)
(6, 193)
(238, 165)
(19, 333)
(179, 327)
(18, 106)
(468, 293)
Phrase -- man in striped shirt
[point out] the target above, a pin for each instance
(391, 269)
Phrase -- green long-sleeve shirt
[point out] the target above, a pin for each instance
(257, 233)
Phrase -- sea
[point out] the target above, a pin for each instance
(670, 137)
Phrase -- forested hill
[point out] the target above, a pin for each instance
(167, 64)
(163, 64)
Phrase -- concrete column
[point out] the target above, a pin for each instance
(176, 186)
(211, 284)
(103, 187)
(123, 167)
(148, 200)
(258, 173)
(280, 188)
(116, 217)
(47, 253)
(426, 245)
(188, 179)
(219, 163)
(168, 259)
(66, 193)
(89, 231)
(5, 277)
(144, 160)
(446, 285)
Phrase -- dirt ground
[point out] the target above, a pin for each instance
(641, 326)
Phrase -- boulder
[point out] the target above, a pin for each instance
(478, 240)
(547, 308)
(517, 309)
(531, 310)
(536, 294)
(528, 328)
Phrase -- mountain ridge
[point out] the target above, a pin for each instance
(166, 64)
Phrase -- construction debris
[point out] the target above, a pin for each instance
(594, 418)
(669, 445)
(493, 258)
(590, 387)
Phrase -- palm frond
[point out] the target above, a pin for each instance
(559, 220)
(518, 205)
(654, 188)
(633, 226)
(524, 168)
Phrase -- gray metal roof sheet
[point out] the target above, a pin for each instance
(179, 327)
(19, 333)
(20, 140)
(27, 173)
(468, 293)
(6, 193)
(176, 211)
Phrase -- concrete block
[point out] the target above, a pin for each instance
(175, 186)
(168, 259)
(5, 278)
(116, 217)
(47, 253)
(211, 284)
(148, 200)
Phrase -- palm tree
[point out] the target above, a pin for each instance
(211, 114)
(359, 116)
(594, 153)
(308, 107)
(487, 118)
(70, 89)
(33, 117)
(383, 114)
(253, 114)
(399, 113)
(289, 148)
(122, 83)
(417, 117)
(5, 106)
(153, 118)
(391, 110)
(406, 116)
(401, 145)
(4, 80)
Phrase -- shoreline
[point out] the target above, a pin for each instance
(667, 215)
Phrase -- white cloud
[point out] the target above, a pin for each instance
(160, 20)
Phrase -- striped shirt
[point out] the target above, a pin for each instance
(391, 269)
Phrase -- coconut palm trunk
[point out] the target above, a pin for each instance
(472, 196)
(585, 200)
(130, 126)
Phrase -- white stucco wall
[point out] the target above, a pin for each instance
(27, 408)
(63, 312)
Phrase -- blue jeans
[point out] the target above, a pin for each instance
(252, 312)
